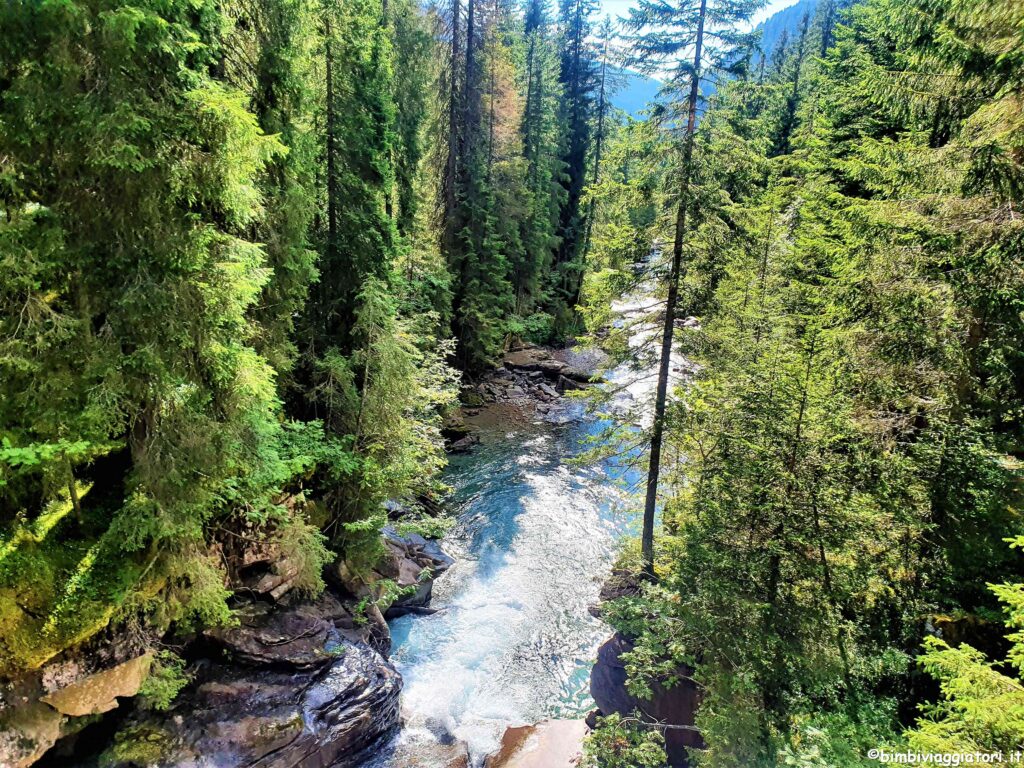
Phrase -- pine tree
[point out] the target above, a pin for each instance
(578, 78)
(657, 41)
(540, 132)
(358, 151)
(129, 363)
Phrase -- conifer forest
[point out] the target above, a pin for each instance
(379, 390)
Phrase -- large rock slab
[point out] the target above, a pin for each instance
(266, 717)
(676, 706)
(534, 359)
(99, 692)
(548, 744)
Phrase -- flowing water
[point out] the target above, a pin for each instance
(513, 641)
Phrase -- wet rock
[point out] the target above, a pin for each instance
(429, 754)
(237, 716)
(674, 706)
(297, 638)
(463, 444)
(548, 744)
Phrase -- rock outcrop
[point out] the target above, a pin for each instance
(99, 692)
(65, 696)
(290, 689)
(295, 682)
(675, 706)
(412, 562)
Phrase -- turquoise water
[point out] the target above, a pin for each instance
(513, 642)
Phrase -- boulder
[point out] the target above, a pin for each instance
(463, 444)
(99, 692)
(534, 359)
(27, 732)
(548, 744)
(674, 706)
(300, 637)
(248, 716)
(412, 562)
(427, 753)
(547, 390)
(580, 376)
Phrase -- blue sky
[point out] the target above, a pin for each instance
(616, 8)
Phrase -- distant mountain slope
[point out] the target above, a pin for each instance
(785, 21)
(633, 92)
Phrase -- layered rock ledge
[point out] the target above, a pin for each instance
(292, 687)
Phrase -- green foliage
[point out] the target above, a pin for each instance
(843, 464)
(304, 548)
(167, 676)
(163, 213)
(388, 442)
(982, 704)
(136, 745)
(619, 742)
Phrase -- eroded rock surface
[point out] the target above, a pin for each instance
(298, 693)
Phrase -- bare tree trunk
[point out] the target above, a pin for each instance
(657, 433)
(452, 165)
(493, 96)
(332, 207)
(326, 284)
(598, 140)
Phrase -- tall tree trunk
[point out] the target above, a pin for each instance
(598, 140)
(454, 112)
(332, 192)
(657, 433)
(493, 96)
(468, 85)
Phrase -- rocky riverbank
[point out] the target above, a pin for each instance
(530, 382)
(295, 682)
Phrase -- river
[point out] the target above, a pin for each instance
(512, 641)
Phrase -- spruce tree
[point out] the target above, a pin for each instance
(578, 78)
(695, 39)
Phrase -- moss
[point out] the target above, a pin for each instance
(56, 593)
(140, 745)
